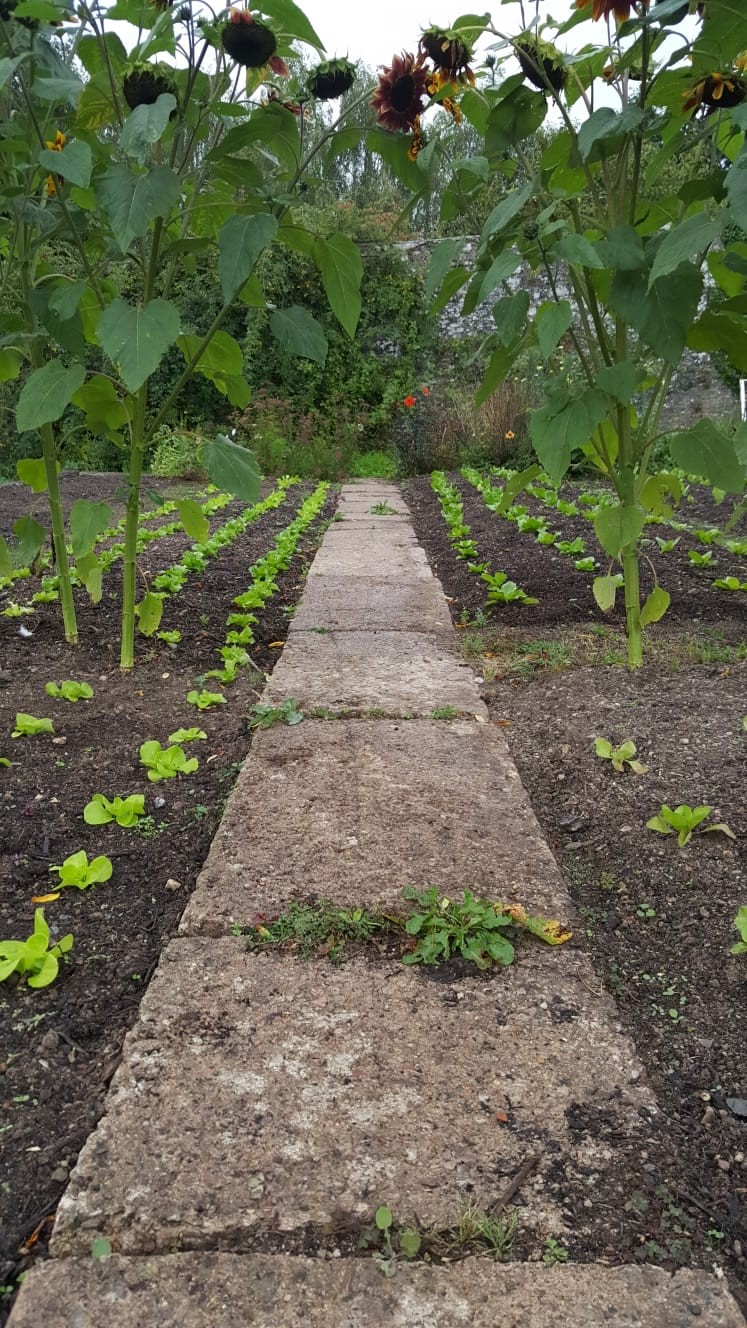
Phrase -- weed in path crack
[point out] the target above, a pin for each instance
(471, 929)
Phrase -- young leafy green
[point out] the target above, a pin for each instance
(32, 959)
(125, 811)
(69, 690)
(683, 820)
(28, 725)
(204, 700)
(165, 762)
(187, 735)
(77, 871)
(619, 756)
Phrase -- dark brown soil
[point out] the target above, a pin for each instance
(61, 1045)
(656, 919)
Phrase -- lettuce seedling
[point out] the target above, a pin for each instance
(619, 756)
(78, 871)
(69, 690)
(187, 735)
(166, 762)
(171, 638)
(569, 547)
(666, 545)
(5, 762)
(700, 559)
(28, 725)
(125, 811)
(585, 564)
(683, 820)
(740, 922)
(32, 959)
(204, 700)
(16, 610)
(729, 583)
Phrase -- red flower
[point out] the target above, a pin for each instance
(425, 390)
(409, 401)
(398, 100)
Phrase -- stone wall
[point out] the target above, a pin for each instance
(696, 388)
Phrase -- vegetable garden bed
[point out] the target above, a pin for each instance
(657, 919)
(61, 1044)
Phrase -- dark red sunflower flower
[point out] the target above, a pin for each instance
(606, 8)
(398, 100)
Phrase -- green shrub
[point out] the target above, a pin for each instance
(174, 454)
(376, 465)
(288, 441)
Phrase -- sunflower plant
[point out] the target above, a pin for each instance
(627, 268)
(130, 160)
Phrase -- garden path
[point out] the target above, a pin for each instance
(265, 1106)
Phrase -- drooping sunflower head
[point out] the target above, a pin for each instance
(541, 63)
(145, 83)
(247, 41)
(447, 50)
(398, 99)
(331, 79)
(606, 8)
(719, 91)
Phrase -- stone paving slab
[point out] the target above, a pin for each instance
(366, 555)
(264, 1094)
(354, 811)
(344, 603)
(392, 673)
(266, 1291)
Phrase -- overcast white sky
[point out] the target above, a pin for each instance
(376, 30)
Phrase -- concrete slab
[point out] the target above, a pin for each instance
(372, 532)
(354, 811)
(343, 603)
(266, 1291)
(396, 673)
(362, 556)
(262, 1094)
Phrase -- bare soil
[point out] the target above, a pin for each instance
(61, 1045)
(656, 919)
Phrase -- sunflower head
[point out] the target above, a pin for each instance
(541, 63)
(719, 91)
(446, 49)
(247, 41)
(145, 83)
(331, 79)
(398, 99)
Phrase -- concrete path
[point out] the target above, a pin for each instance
(266, 1106)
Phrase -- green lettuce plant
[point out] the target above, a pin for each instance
(683, 821)
(204, 700)
(125, 811)
(29, 725)
(166, 762)
(69, 690)
(77, 871)
(34, 960)
(187, 735)
(620, 756)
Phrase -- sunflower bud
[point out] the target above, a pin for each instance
(331, 79)
(247, 41)
(146, 83)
